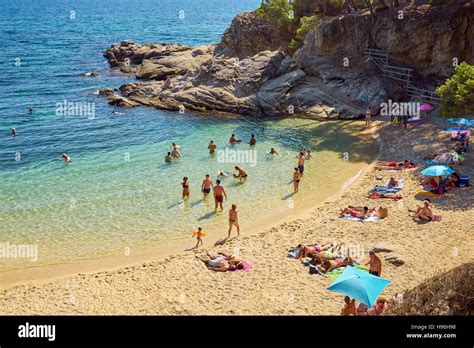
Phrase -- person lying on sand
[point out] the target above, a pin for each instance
(329, 265)
(377, 195)
(423, 213)
(358, 212)
(312, 250)
(349, 307)
(406, 164)
(222, 263)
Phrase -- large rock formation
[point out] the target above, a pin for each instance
(247, 72)
(426, 38)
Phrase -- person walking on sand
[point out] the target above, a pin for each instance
(242, 173)
(253, 141)
(185, 185)
(368, 116)
(233, 220)
(206, 185)
(296, 179)
(219, 194)
(212, 147)
(301, 159)
(375, 264)
(199, 234)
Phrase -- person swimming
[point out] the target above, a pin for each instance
(30, 109)
(223, 175)
(13, 130)
(273, 151)
(66, 158)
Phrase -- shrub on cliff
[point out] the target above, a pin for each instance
(277, 12)
(457, 93)
(307, 24)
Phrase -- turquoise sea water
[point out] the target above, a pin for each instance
(118, 193)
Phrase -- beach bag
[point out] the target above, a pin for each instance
(383, 212)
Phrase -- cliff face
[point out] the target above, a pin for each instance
(247, 72)
(249, 34)
(426, 38)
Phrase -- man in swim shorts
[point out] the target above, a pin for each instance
(206, 185)
(212, 147)
(375, 264)
(219, 194)
(301, 159)
(242, 173)
(233, 220)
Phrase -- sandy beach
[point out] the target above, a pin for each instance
(278, 285)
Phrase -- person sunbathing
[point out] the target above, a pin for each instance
(359, 212)
(222, 263)
(377, 195)
(329, 265)
(423, 213)
(311, 250)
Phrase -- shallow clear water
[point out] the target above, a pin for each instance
(118, 193)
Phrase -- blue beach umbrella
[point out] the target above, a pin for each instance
(360, 285)
(437, 171)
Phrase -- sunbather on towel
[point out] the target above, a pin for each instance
(377, 195)
(311, 250)
(222, 263)
(406, 164)
(329, 265)
(359, 212)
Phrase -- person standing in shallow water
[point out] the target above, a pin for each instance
(301, 159)
(219, 194)
(233, 220)
(368, 116)
(212, 147)
(206, 185)
(253, 141)
(296, 179)
(168, 157)
(185, 185)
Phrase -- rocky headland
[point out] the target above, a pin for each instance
(252, 72)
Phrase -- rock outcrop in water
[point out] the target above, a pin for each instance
(248, 72)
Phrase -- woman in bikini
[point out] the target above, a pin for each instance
(296, 179)
(233, 220)
(359, 212)
(423, 213)
(185, 185)
(312, 250)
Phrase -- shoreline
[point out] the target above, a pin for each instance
(277, 285)
(37, 275)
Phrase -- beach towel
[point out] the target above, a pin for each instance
(426, 193)
(247, 266)
(294, 253)
(389, 189)
(374, 195)
(335, 273)
(369, 219)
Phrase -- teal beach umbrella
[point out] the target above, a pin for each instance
(360, 285)
(437, 171)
